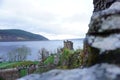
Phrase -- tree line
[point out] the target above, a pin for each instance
(19, 54)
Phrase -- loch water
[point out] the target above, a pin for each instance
(35, 46)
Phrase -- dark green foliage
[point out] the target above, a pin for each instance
(1, 78)
(23, 72)
(64, 57)
(68, 59)
(75, 59)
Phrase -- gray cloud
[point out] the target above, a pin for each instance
(45, 16)
(78, 18)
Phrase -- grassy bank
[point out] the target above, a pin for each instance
(7, 65)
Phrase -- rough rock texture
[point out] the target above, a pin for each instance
(102, 4)
(97, 72)
(103, 38)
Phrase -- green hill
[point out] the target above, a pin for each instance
(19, 35)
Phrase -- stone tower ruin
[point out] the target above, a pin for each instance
(68, 45)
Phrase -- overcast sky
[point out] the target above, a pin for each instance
(54, 19)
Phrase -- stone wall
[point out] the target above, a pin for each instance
(14, 73)
(102, 43)
(9, 74)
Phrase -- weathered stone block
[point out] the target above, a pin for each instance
(103, 37)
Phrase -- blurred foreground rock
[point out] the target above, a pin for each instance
(97, 72)
(102, 44)
(100, 5)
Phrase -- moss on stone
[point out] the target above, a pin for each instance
(92, 56)
(74, 60)
(111, 56)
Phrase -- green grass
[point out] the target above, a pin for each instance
(17, 64)
(5, 64)
(23, 72)
(49, 60)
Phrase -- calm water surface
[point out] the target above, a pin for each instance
(35, 46)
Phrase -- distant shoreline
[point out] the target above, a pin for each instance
(24, 40)
(41, 40)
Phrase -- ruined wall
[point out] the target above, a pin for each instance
(14, 73)
(9, 74)
(102, 43)
(68, 45)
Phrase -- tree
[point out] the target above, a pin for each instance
(43, 54)
(19, 54)
(11, 56)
